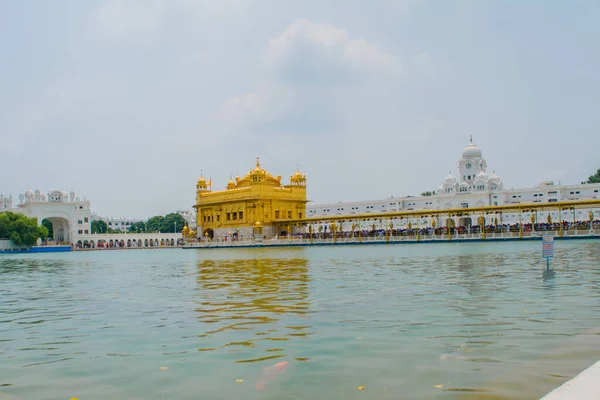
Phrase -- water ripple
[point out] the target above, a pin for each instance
(481, 318)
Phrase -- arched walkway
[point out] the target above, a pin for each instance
(61, 230)
(208, 233)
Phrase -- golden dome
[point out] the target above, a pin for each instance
(230, 184)
(258, 175)
(298, 178)
(201, 180)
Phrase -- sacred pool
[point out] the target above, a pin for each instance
(445, 321)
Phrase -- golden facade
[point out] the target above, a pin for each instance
(258, 202)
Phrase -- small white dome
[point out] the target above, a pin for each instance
(481, 177)
(464, 184)
(494, 178)
(450, 180)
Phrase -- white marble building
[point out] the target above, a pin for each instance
(121, 224)
(70, 216)
(473, 187)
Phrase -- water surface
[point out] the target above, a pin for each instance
(479, 319)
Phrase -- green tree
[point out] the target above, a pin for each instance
(428, 193)
(99, 226)
(594, 178)
(22, 230)
(138, 227)
(155, 224)
(172, 222)
(48, 225)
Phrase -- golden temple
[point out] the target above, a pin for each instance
(256, 204)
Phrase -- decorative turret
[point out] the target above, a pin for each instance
(202, 183)
(230, 184)
(298, 178)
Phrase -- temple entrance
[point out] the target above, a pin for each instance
(208, 233)
(61, 230)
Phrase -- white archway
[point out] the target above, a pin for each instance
(61, 227)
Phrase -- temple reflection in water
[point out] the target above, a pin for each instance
(266, 297)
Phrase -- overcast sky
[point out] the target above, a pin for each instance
(125, 102)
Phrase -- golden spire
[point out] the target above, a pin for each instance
(257, 162)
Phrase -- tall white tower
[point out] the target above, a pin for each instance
(471, 164)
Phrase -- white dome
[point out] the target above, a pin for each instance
(494, 178)
(449, 180)
(481, 177)
(471, 151)
(464, 184)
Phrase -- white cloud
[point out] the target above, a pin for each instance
(309, 50)
(305, 67)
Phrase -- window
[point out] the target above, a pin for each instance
(227, 217)
(80, 231)
(596, 191)
(241, 215)
(80, 222)
(86, 231)
(289, 215)
(218, 217)
(234, 216)
(86, 219)
(300, 214)
(276, 214)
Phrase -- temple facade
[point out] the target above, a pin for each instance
(255, 205)
(472, 187)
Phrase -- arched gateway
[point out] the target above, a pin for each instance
(70, 216)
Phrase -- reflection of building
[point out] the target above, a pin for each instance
(472, 188)
(257, 299)
(69, 215)
(118, 224)
(256, 200)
